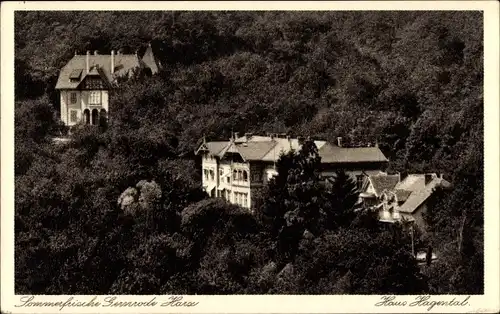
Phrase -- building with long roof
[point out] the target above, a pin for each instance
(236, 168)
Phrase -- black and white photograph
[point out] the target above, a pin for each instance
(271, 152)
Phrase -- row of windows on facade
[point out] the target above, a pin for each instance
(238, 175)
(239, 198)
(94, 98)
(95, 118)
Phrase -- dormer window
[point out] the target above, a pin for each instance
(75, 75)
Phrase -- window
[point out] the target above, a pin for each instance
(228, 179)
(359, 181)
(244, 199)
(212, 175)
(86, 114)
(221, 173)
(73, 98)
(205, 173)
(73, 116)
(256, 177)
(95, 98)
(245, 176)
(235, 175)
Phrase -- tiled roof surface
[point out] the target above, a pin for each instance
(383, 182)
(413, 182)
(255, 150)
(402, 195)
(253, 138)
(417, 197)
(334, 154)
(123, 65)
(215, 148)
(269, 149)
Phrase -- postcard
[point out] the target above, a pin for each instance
(250, 157)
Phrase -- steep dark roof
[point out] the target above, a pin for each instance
(151, 61)
(123, 66)
(383, 182)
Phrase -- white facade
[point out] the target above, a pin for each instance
(236, 169)
(236, 182)
(84, 106)
(230, 181)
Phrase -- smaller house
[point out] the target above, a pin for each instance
(374, 185)
(398, 200)
(85, 82)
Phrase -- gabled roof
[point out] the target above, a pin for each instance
(96, 72)
(123, 66)
(151, 61)
(419, 196)
(213, 148)
(334, 154)
(382, 182)
(269, 149)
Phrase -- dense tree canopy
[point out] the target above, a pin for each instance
(120, 209)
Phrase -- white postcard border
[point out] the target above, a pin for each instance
(489, 302)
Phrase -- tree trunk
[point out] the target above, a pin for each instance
(461, 231)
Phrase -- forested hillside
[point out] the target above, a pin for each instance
(412, 81)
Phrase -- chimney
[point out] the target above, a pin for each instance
(76, 53)
(339, 141)
(112, 61)
(87, 62)
(236, 134)
(96, 52)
